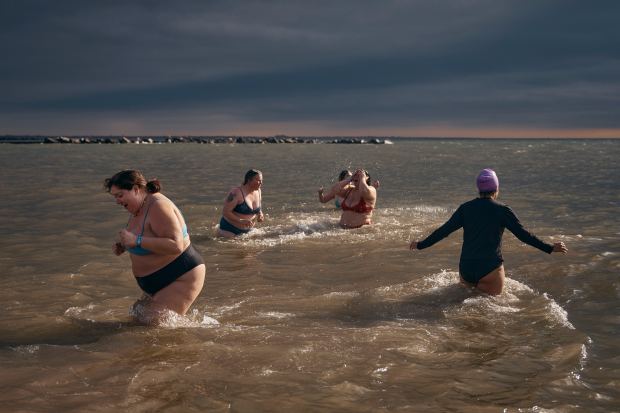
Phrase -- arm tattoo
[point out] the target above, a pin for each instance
(230, 197)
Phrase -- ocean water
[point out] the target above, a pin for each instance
(301, 315)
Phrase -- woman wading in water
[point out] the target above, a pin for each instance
(242, 207)
(483, 221)
(358, 200)
(166, 266)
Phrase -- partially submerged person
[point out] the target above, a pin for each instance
(166, 265)
(483, 221)
(242, 206)
(333, 191)
(358, 200)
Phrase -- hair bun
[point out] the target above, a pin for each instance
(153, 186)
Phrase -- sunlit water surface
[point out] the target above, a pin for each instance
(301, 315)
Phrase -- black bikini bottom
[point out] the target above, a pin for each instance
(163, 277)
(227, 226)
(473, 271)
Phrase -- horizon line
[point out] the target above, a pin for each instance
(281, 135)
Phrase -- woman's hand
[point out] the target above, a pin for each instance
(118, 248)
(246, 223)
(261, 217)
(413, 245)
(560, 247)
(357, 175)
(128, 239)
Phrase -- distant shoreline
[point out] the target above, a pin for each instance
(277, 139)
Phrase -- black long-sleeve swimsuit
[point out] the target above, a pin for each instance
(483, 221)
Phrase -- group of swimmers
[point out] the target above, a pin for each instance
(171, 272)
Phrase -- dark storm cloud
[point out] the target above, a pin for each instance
(548, 64)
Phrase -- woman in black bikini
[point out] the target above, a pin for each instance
(483, 221)
(166, 266)
(242, 206)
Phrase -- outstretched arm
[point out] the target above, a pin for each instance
(326, 197)
(514, 225)
(455, 222)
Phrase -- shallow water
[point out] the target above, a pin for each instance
(301, 315)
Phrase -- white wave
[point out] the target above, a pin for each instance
(520, 298)
(209, 321)
(228, 308)
(76, 311)
(491, 304)
(298, 227)
(553, 311)
(430, 209)
(26, 349)
(513, 286)
(516, 298)
(170, 320)
(442, 279)
(338, 294)
(275, 314)
(86, 313)
(557, 313)
(293, 233)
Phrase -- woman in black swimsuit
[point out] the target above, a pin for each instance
(242, 206)
(483, 221)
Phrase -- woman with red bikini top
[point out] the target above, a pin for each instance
(359, 200)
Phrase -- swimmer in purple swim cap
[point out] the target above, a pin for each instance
(487, 181)
(483, 220)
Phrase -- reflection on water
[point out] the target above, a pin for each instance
(300, 314)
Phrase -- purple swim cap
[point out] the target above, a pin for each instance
(487, 181)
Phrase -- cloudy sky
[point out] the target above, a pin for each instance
(489, 68)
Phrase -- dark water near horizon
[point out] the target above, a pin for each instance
(311, 317)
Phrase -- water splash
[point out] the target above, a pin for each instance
(171, 320)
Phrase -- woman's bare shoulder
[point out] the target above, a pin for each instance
(162, 203)
(233, 193)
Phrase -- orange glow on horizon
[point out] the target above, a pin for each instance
(137, 126)
(431, 132)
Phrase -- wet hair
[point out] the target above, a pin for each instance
(251, 174)
(129, 178)
(343, 174)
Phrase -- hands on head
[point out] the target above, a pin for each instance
(359, 174)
